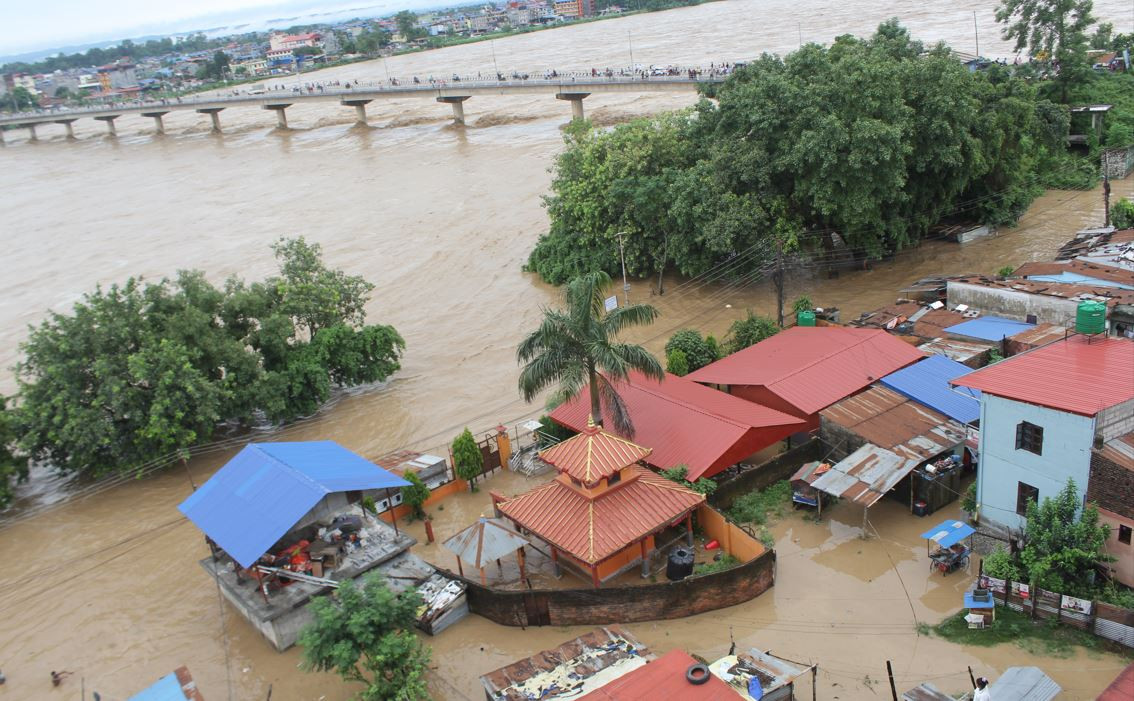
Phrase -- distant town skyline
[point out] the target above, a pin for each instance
(53, 24)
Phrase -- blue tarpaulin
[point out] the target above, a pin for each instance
(927, 382)
(949, 533)
(165, 689)
(989, 328)
(259, 495)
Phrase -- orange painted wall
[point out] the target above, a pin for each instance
(611, 565)
(402, 510)
(732, 538)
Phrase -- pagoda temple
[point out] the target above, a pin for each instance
(603, 510)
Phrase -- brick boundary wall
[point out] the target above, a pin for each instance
(624, 604)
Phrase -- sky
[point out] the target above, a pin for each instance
(44, 24)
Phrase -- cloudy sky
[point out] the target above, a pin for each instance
(44, 24)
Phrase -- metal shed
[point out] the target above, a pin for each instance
(1024, 684)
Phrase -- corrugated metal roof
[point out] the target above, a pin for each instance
(889, 420)
(486, 540)
(664, 678)
(593, 454)
(1120, 451)
(685, 423)
(866, 474)
(927, 382)
(1122, 688)
(989, 328)
(1081, 375)
(812, 367)
(1041, 335)
(954, 349)
(926, 692)
(592, 528)
(769, 671)
(176, 686)
(1024, 684)
(254, 500)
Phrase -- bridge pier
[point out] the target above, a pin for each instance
(359, 108)
(159, 125)
(67, 125)
(214, 115)
(576, 100)
(31, 132)
(458, 103)
(281, 113)
(110, 128)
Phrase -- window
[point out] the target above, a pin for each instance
(1029, 437)
(1124, 534)
(1024, 494)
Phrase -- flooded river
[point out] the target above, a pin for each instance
(441, 219)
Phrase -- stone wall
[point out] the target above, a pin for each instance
(778, 468)
(624, 604)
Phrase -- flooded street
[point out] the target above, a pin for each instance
(440, 219)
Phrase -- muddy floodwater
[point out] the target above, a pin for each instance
(440, 218)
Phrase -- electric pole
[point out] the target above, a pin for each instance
(496, 68)
(1106, 193)
(778, 278)
(976, 35)
(630, 43)
(622, 254)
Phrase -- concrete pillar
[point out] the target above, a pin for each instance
(159, 125)
(67, 125)
(458, 103)
(359, 109)
(281, 114)
(576, 100)
(31, 131)
(214, 116)
(110, 128)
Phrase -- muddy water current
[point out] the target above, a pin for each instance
(440, 218)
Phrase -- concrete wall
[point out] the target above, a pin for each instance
(778, 468)
(1012, 303)
(627, 604)
(1067, 441)
(733, 539)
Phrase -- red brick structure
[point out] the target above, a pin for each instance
(1111, 488)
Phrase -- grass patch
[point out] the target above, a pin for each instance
(720, 565)
(762, 506)
(1040, 637)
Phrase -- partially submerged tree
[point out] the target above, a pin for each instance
(468, 462)
(415, 494)
(365, 635)
(575, 348)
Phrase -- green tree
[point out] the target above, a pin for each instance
(1052, 29)
(366, 635)
(749, 331)
(698, 351)
(13, 467)
(676, 362)
(679, 474)
(468, 462)
(1103, 38)
(415, 494)
(576, 347)
(19, 99)
(407, 25)
(1122, 214)
(313, 294)
(1063, 543)
(802, 303)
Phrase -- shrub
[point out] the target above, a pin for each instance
(756, 507)
(1000, 564)
(698, 351)
(1006, 271)
(802, 303)
(726, 562)
(415, 494)
(750, 331)
(467, 460)
(676, 362)
(677, 474)
(1122, 214)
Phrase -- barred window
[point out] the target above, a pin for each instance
(1029, 437)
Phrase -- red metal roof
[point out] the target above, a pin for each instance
(688, 424)
(664, 678)
(593, 454)
(812, 367)
(1081, 375)
(1121, 689)
(592, 528)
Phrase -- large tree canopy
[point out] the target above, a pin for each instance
(139, 370)
(1051, 30)
(868, 143)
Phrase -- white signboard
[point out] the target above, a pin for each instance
(611, 303)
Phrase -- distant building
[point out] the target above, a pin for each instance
(568, 9)
(280, 41)
(1042, 413)
(116, 76)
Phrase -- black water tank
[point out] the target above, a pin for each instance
(680, 564)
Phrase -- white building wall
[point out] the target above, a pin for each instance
(1013, 304)
(1067, 441)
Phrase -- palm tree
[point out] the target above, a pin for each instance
(575, 347)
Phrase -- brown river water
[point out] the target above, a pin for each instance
(441, 219)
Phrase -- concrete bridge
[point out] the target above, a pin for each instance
(359, 95)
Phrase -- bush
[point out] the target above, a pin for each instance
(677, 474)
(415, 494)
(467, 460)
(1000, 564)
(802, 303)
(726, 562)
(968, 501)
(676, 362)
(757, 507)
(1006, 271)
(750, 331)
(1122, 214)
(698, 351)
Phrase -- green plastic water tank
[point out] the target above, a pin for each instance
(1090, 317)
(805, 318)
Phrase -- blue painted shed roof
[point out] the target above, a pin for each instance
(949, 533)
(165, 689)
(927, 382)
(261, 493)
(989, 328)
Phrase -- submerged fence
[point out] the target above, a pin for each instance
(1104, 620)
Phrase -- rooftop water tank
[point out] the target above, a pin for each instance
(805, 318)
(1090, 317)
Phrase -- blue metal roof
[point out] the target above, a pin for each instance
(949, 533)
(258, 496)
(165, 689)
(927, 382)
(990, 328)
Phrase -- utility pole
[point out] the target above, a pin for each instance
(1106, 193)
(976, 35)
(890, 673)
(630, 42)
(387, 67)
(622, 254)
(778, 278)
(492, 43)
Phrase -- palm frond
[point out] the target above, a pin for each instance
(613, 403)
(624, 317)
